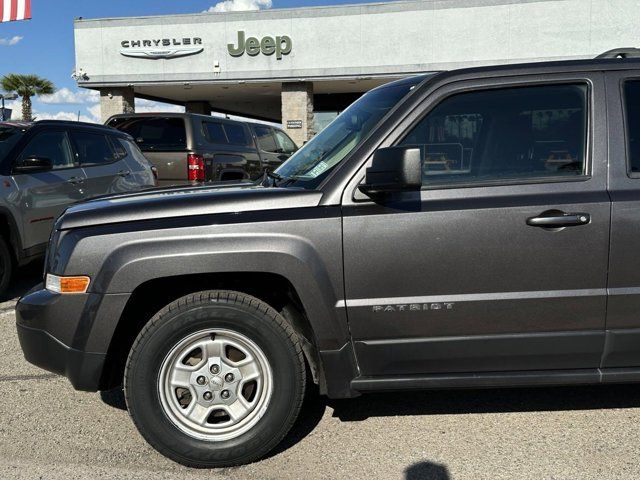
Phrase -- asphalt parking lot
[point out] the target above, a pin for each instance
(49, 431)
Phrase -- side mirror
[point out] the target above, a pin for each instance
(394, 169)
(33, 164)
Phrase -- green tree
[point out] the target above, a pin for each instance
(27, 86)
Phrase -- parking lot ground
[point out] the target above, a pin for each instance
(49, 431)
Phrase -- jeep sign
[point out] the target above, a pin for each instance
(280, 45)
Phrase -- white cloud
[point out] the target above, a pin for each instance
(94, 112)
(65, 96)
(147, 106)
(10, 42)
(73, 116)
(88, 102)
(240, 5)
(38, 114)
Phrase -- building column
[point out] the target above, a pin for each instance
(202, 108)
(114, 101)
(297, 111)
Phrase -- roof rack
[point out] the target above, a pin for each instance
(630, 52)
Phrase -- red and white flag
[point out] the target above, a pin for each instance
(12, 10)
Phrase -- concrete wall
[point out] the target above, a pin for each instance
(297, 106)
(362, 40)
(114, 101)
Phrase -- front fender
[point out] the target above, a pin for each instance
(308, 253)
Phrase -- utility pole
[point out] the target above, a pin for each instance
(6, 96)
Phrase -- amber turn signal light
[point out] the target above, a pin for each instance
(58, 284)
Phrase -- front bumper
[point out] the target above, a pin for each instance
(69, 334)
(83, 369)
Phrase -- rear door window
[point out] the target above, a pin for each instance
(51, 145)
(119, 150)
(237, 134)
(93, 148)
(632, 111)
(266, 140)
(214, 131)
(226, 133)
(155, 133)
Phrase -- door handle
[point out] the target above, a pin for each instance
(76, 180)
(559, 220)
(124, 173)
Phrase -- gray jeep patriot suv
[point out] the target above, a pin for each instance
(46, 166)
(472, 228)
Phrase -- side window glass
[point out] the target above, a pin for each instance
(504, 134)
(214, 132)
(51, 145)
(119, 151)
(285, 144)
(236, 134)
(93, 148)
(266, 141)
(632, 110)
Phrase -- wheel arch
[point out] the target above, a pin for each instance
(9, 230)
(151, 296)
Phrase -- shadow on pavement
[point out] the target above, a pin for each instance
(310, 415)
(114, 398)
(426, 471)
(24, 279)
(445, 402)
(456, 402)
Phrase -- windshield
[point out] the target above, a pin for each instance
(9, 136)
(313, 162)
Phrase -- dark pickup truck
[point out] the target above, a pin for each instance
(189, 149)
(472, 228)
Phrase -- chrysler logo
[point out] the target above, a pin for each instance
(161, 48)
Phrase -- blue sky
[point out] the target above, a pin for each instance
(44, 45)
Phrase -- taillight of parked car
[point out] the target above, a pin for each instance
(196, 167)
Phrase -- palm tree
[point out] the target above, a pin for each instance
(27, 86)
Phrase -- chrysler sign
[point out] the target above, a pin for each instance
(161, 48)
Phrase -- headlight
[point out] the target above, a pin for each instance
(58, 284)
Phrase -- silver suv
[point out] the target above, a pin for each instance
(46, 166)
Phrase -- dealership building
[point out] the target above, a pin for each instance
(301, 66)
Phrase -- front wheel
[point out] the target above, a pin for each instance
(215, 379)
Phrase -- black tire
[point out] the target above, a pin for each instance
(231, 311)
(6, 265)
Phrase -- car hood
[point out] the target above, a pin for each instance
(184, 201)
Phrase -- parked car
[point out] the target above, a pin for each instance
(189, 148)
(472, 228)
(48, 165)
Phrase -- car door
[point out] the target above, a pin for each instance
(465, 276)
(270, 152)
(230, 151)
(105, 169)
(623, 324)
(42, 196)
